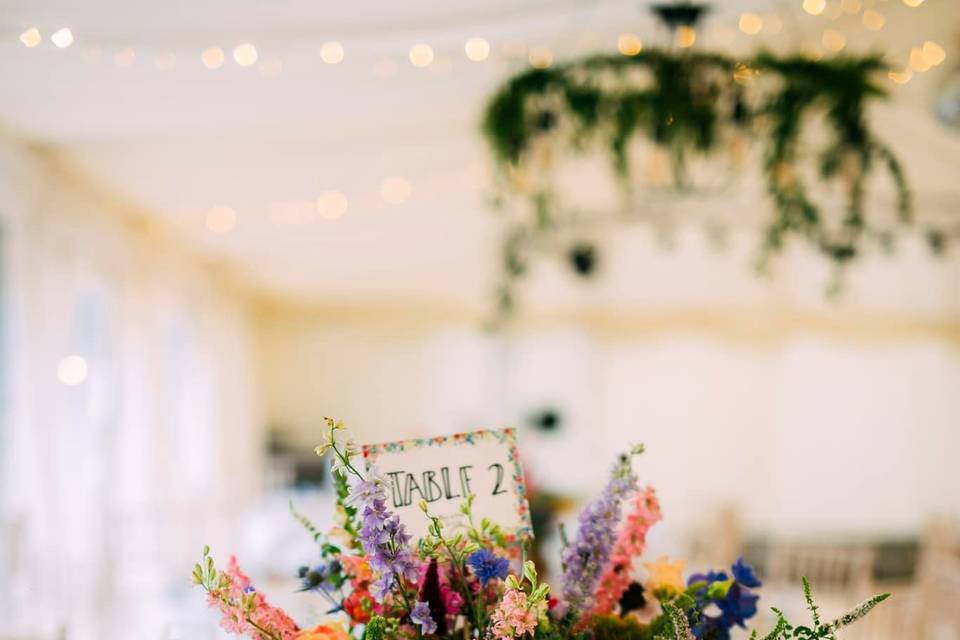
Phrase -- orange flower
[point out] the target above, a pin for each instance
(326, 631)
(358, 567)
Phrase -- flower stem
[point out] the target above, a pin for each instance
(344, 459)
(465, 586)
(265, 633)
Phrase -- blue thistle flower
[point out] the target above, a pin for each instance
(487, 565)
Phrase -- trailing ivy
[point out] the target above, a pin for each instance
(684, 102)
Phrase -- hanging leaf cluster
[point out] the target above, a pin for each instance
(807, 117)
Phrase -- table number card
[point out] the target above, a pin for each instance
(444, 470)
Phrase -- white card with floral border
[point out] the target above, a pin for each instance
(444, 470)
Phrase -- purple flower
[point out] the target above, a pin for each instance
(585, 558)
(364, 492)
(421, 616)
(385, 541)
(487, 565)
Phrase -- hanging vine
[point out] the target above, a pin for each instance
(686, 103)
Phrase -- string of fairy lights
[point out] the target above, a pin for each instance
(479, 49)
(394, 190)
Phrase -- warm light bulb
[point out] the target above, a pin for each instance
(31, 37)
(686, 37)
(901, 77)
(62, 38)
(332, 52)
(165, 61)
(221, 219)
(72, 370)
(421, 55)
(873, 20)
(833, 40)
(933, 53)
(395, 190)
(332, 204)
(814, 7)
(245, 54)
(918, 62)
(540, 57)
(629, 44)
(913, 3)
(751, 23)
(477, 49)
(212, 58)
(125, 58)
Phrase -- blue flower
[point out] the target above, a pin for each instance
(487, 565)
(421, 616)
(739, 606)
(735, 601)
(743, 573)
(313, 579)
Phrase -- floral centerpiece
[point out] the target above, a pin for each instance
(476, 583)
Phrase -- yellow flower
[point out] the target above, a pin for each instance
(664, 574)
(325, 631)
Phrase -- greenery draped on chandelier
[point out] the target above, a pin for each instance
(807, 118)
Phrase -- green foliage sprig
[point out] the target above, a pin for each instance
(455, 550)
(686, 103)
(488, 534)
(784, 630)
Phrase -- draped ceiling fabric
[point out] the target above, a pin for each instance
(263, 143)
(107, 485)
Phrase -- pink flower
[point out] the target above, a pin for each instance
(513, 617)
(452, 600)
(235, 617)
(631, 542)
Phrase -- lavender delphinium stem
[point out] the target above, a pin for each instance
(384, 539)
(585, 558)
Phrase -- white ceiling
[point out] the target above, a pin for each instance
(181, 141)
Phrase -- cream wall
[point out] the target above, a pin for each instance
(807, 418)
